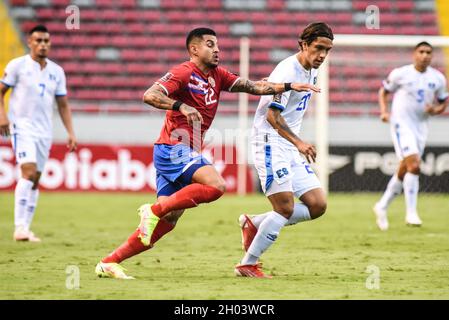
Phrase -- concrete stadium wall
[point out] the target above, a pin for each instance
(141, 128)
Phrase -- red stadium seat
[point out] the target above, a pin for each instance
(405, 5)
(275, 5)
(150, 40)
(60, 3)
(18, 3)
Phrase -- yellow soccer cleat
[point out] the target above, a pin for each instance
(111, 270)
(148, 222)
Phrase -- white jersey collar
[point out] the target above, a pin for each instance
(37, 63)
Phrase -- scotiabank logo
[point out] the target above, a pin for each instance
(90, 168)
(104, 168)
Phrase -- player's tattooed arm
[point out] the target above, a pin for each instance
(156, 97)
(256, 87)
(264, 87)
(277, 121)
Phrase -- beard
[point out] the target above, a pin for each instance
(212, 65)
(42, 55)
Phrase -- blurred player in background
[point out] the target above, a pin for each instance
(280, 155)
(190, 93)
(419, 91)
(37, 83)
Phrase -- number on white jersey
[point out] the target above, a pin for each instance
(303, 102)
(42, 85)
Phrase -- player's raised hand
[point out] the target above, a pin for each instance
(191, 114)
(385, 116)
(71, 143)
(4, 127)
(308, 150)
(305, 87)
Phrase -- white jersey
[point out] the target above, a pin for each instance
(292, 103)
(413, 90)
(33, 95)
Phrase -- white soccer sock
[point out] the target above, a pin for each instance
(301, 213)
(31, 207)
(257, 220)
(21, 193)
(411, 188)
(394, 188)
(267, 233)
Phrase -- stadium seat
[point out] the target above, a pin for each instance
(149, 38)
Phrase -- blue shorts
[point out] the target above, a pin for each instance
(175, 166)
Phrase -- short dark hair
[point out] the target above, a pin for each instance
(198, 33)
(38, 28)
(313, 31)
(423, 43)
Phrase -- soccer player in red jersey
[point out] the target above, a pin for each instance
(190, 93)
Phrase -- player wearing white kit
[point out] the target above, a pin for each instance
(419, 91)
(284, 173)
(36, 83)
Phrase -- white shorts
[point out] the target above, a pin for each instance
(406, 142)
(282, 169)
(28, 149)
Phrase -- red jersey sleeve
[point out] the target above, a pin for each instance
(177, 78)
(228, 79)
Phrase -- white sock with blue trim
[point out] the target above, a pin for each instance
(31, 207)
(267, 233)
(411, 188)
(21, 194)
(300, 213)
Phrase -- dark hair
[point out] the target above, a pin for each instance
(313, 31)
(423, 43)
(38, 28)
(198, 33)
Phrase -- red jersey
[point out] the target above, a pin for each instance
(188, 84)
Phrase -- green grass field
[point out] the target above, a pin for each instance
(323, 259)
